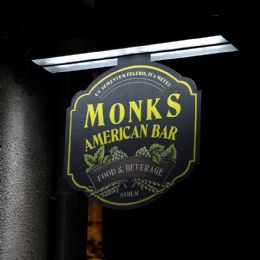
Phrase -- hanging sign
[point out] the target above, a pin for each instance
(132, 134)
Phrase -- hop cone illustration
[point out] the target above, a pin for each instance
(144, 152)
(163, 153)
(118, 155)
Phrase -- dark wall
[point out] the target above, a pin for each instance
(26, 166)
(200, 215)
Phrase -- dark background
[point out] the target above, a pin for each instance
(203, 214)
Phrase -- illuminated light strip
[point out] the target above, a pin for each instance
(190, 43)
(193, 52)
(154, 57)
(82, 65)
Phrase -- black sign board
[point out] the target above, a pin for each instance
(132, 134)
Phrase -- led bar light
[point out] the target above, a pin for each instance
(82, 65)
(171, 55)
(162, 51)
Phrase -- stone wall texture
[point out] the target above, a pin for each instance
(25, 169)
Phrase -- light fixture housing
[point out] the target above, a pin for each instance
(161, 51)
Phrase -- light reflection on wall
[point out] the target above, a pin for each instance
(95, 231)
(25, 170)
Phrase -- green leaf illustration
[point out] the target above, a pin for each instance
(172, 152)
(156, 158)
(90, 160)
(99, 155)
(107, 159)
(156, 148)
(113, 150)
